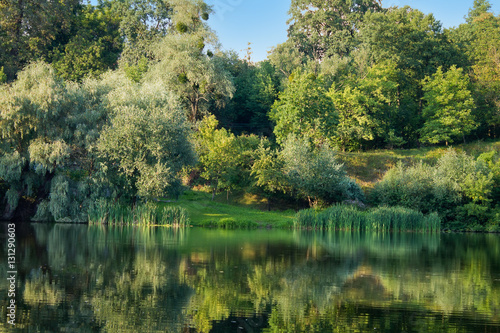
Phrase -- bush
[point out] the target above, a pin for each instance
(457, 187)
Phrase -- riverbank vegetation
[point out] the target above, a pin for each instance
(357, 114)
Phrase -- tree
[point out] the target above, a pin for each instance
(95, 46)
(146, 140)
(479, 8)
(48, 130)
(416, 43)
(367, 108)
(268, 172)
(143, 23)
(185, 66)
(256, 89)
(448, 109)
(31, 30)
(320, 29)
(217, 153)
(304, 109)
(315, 174)
(485, 54)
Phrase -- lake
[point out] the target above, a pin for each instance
(79, 278)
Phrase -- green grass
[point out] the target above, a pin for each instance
(369, 167)
(202, 211)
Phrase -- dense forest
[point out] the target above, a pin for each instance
(130, 101)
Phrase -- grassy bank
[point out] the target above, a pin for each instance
(239, 211)
(369, 167)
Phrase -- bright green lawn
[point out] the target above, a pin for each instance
(203, 210)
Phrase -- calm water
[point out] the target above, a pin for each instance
(74, 278)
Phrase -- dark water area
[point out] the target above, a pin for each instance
(79, 278)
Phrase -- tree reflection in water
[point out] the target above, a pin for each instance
(88, 278)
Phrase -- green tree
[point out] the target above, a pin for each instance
(48, 130)
(31, 30)
(485, 54)
(187, 67)
(315, 174)
(479, 8)
(304, 109)
(367, 108)
(449, 104)
(268, 172)
(142, 24)
(320, 29)
(93, 48)
(146, 140)
(416, 43)
(217, 153)
(256, 89)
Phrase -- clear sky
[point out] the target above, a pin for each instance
(263, 22)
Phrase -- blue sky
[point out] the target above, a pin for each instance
(263, 22)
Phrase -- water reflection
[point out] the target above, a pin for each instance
(91, 278)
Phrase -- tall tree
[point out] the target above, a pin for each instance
(188, 63)
(479, 8)
(416, 43)
(93, 48)
(30, 30)
(321, 28)
(485, 54)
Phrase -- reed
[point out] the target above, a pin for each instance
(104, 212)
(347, 217)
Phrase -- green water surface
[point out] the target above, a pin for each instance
(79, 278)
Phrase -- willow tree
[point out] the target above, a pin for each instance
(187, 62)
(48, 129)
(146, 140)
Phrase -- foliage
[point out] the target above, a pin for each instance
(367, 108)
(320, 29)
(458, 188)
(304, 109)
(194, 76)
(45, 124)
(301, 171)
(57, 151)
(147, 139)
(448, 111)
(217, 151)
(185, 65)
(32, 30)
(256, 89)
(95, 46)
(315, 175)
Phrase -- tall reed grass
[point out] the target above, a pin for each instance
(346, 217)
(104, 212)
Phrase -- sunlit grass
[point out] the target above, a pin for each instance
(369, 167)
(203, 211)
